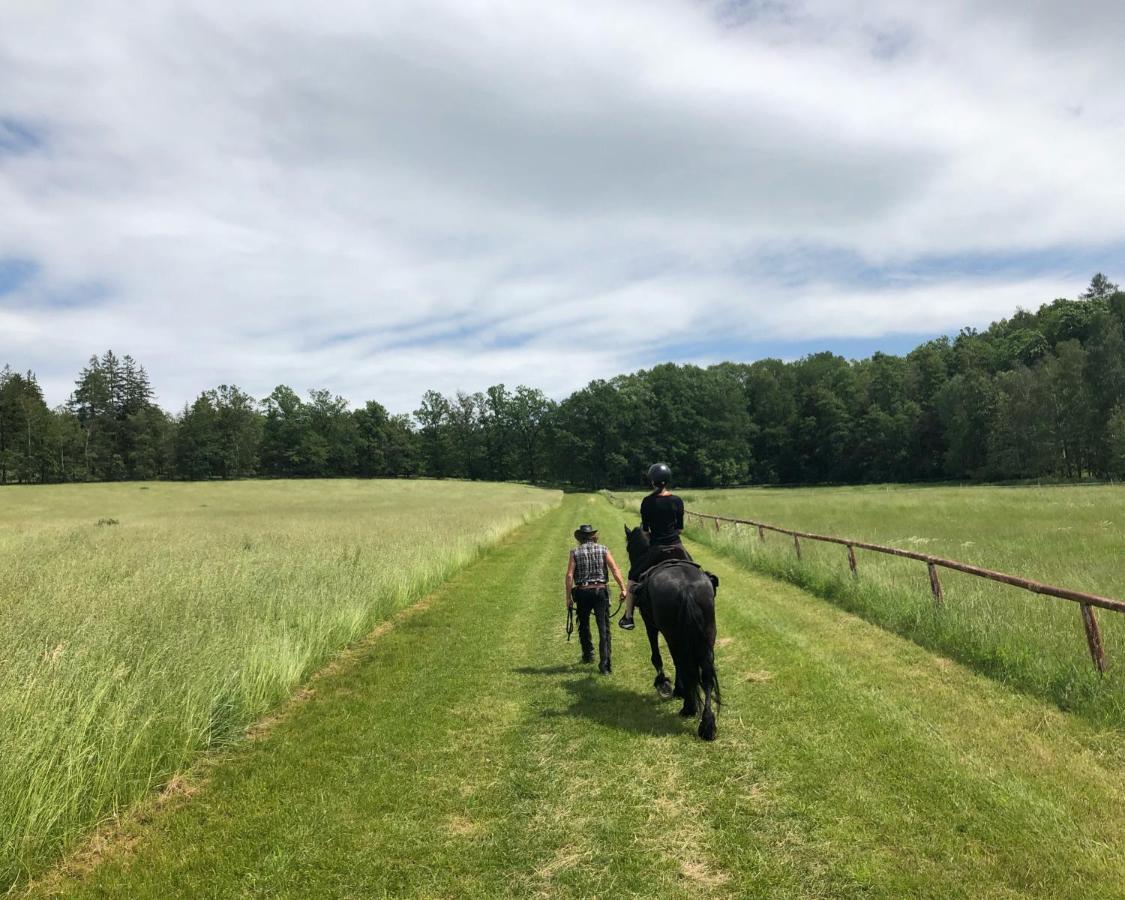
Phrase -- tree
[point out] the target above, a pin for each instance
(219, 435)
(467, 434)
(93, 405)
(371, 444)
(769, 394)
(331, 427)
(927, 371)
(528, 418)
(1101, 288)
(126, 433)
(433, 417)
(498, 446)
(1070, 410)
(1018, 433)
(965, 405)
(240, 430)
(827, 402)
(1105, 383)
(289, 446)
(24, 429)
(1115, 440)
(592, 429)
(196, 442)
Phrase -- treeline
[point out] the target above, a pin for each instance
(1041, 394)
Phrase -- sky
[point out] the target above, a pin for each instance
(383, 197)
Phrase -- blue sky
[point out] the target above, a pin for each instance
(386, 197)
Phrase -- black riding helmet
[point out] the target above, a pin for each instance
(659, 474)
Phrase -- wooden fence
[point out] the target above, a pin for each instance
(1086, 602)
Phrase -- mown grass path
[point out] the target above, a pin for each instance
(466, 753)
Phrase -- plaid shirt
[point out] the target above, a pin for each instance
(589, 563)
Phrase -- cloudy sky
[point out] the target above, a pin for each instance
(381, 197)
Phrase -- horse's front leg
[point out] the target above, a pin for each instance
(687, 687)
(661, 683)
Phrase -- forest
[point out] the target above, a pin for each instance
(1037, 395)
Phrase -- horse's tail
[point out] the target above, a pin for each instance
(697, 626)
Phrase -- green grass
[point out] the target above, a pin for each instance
(1068, 536)
(145, 623)
(466, 753)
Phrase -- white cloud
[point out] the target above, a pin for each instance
(268, 192)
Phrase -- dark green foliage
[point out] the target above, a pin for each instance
(1038, 395)
(125, 435)
(219, 435)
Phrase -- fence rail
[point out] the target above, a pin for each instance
(1086, 601)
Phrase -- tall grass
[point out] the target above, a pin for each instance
(145, 623)
(1069, 536)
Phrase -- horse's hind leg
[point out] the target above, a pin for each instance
(710, 683)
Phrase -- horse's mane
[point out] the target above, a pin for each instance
(636, 542)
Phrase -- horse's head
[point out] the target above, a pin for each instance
(636, 542)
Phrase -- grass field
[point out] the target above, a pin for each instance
(466, 753)
(144, 623)
(1069, 536)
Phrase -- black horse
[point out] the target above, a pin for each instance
(678, 601)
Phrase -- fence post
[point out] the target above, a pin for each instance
(716, 524)
(851, 559)
(1093, 637)
(761, 534)
(935, 584)
(797, 546)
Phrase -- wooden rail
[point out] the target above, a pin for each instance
(1086, 601)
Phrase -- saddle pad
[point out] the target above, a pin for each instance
(668, 563)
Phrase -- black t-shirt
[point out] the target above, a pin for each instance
(663, 518)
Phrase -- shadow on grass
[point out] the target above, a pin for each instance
(561, 669)
(598, 700)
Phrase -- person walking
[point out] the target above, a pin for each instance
(587, 587)
(662, 518)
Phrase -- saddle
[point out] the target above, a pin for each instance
(670, 563)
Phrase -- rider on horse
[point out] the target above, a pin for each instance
(662, 518)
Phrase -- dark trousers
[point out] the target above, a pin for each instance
(596, 601)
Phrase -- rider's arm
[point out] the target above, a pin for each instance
(616, 572)
(569, 578)
(680, 515)
(646, 525)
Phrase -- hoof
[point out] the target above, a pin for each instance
(664, 689)
(707, 728)
(687, 712)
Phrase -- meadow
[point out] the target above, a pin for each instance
(466, 752)
(145, 623)
(1064, 535)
